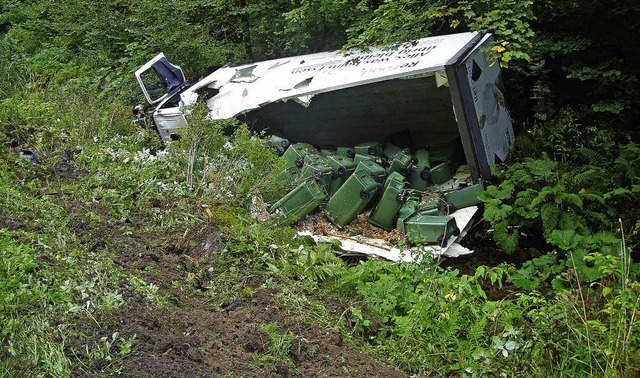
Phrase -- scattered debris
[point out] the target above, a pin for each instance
(34, 156)
(207, 210)
(233, 306)
(258, 208)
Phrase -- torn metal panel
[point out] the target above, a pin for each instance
(249, 87)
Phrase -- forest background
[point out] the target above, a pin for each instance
(565, 203)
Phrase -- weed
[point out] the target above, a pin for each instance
(278, 347)
(149, 290)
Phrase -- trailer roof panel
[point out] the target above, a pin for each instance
(251, 86)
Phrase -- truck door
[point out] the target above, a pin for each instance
(161, 83)
(479, 102)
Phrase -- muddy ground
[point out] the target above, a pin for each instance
(192, 336)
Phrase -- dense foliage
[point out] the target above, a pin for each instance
(567, 196)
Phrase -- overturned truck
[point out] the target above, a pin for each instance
(430, 113)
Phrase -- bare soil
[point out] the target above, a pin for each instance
(191, 336)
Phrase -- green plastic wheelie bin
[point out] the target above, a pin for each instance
(390, 150)
(278, 143)
(317, 167)
(346, 152)
(299, 202)
(420, 178)
(425, 228)
(401, 162)
(368, 148)
(465, 197)
(441, 173)
(352, 197)
(345, 168)
(378, 172)
(392, 198)
(295, 153)
(423, 156)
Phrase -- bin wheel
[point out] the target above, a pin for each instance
(351, 153)
(456, 232)
(364, 194)
(384, 162)
(372, 150)
(342, 170)
(404, 171)
(285, 143)
(451, 208)
(375, 176)
(270, 144)
(280, 151)
(335, 172)
(317, 175)
(425, 173)
(442, 242)
(299, 161)
(414, 159)
(401, 198)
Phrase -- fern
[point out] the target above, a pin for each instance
(584, 198)
(544, 195)
(521, 176)
(619, 192)
(525, 197)
(569, 199)
(589, 156)
(543, 169)
(578, 180)
(550, 214)
(570, 220)
(596, 217)
(593, 197)
(627, 165)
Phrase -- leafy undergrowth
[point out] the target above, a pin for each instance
(121, 257)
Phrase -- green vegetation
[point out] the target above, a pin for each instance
(566, 199)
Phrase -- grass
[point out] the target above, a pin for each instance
(278, 347)
(56, 263)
